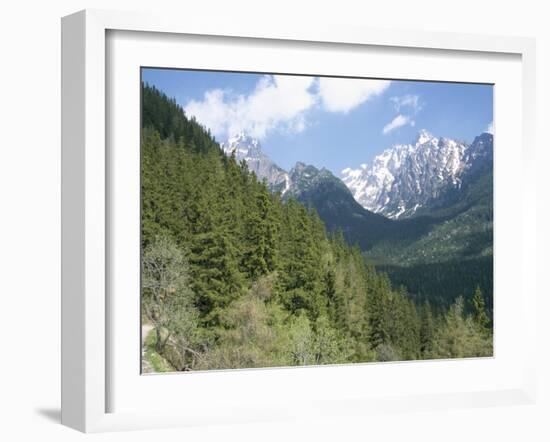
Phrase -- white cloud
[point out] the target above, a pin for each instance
(490, 128)
(212, 111)
(344, 94)
(277, 102)
(404, 101)
(400, 120)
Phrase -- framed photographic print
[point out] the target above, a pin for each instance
(250, 214)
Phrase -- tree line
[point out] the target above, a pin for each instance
(233, 277)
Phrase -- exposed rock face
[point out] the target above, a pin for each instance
(400, 181)
(249, 149)
(407, 177)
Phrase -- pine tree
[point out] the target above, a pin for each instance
(260, 235)
(214, 258)
(427, 329)
(300, 284)
(379, 312)
(330, 295)
(480, 315)
(460, 336)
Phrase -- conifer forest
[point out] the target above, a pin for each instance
(234, 274)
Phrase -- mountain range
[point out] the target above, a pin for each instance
(408, 177)
(404, 181)
(422, 211)
(318, 188)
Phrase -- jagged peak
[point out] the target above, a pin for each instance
(409, 175)
(243, 141)
(299, 166)
(423, 136)
(242, 137)
(484, 136)
(239, 136)
(308, 171)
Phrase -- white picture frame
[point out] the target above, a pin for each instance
(87, 204)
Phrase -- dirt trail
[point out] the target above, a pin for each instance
(145, 365)
(145, 329)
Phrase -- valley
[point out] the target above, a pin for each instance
(434, 234)
(245, 264)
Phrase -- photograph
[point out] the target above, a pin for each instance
(275, 221)
(293, 219)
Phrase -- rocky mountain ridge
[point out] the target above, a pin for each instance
(407, 177)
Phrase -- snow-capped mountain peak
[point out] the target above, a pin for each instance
(423, 137)
(396, 183)
(249, 149)
(243, 145)
(406, 177)
(299, 179)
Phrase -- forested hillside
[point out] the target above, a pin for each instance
(439, 254)
(442, 252)
(440, 247)
(453, 244)
(234, 277)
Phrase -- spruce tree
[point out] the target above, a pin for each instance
(260, 256)
(427, 329)
(480, 315)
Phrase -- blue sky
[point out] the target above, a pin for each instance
(328, 122)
